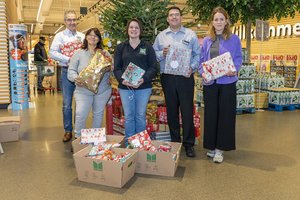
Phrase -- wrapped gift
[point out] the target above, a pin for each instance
(178, 60)
(218, 66)
(141, 140)
(91, 76)
(133, 73)
(93, 136)
(69, 48)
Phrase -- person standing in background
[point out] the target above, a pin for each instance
(40, 59)
(62, 49)
(220, 94)
(135, 97)
(85, 99)
(178, 89)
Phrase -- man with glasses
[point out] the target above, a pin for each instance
(62, 49)
(179, 89)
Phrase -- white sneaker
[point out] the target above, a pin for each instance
(210, 153)
(218, 158)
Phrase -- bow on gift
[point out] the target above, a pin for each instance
(91, 76)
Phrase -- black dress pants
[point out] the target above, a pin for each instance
(179, 94)
(219, 116)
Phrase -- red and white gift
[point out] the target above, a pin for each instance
(93, 136)
(218, 66)
(69, 48)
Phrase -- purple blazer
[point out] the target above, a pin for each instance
(232, 45)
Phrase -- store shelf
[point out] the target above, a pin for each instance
(4, 69)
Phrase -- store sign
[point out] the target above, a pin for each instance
(274, 31)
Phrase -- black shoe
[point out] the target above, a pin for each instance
(190, 152)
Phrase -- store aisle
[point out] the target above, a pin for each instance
(266, 164)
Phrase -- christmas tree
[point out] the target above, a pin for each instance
(152, 13)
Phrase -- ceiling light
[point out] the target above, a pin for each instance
(39, 11)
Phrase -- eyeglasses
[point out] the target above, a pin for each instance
(71, 20)
(174, 15)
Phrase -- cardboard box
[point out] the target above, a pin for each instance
(110, 139)
(9, 128)
(158, 163)
(105, 172)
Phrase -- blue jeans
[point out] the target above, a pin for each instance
(84, 102)
(68, 88)
(134, 103)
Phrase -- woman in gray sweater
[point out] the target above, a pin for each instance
(84, 98)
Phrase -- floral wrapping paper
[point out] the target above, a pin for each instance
(69, 48)
(218, 66)
(133, 73)
(178, 61)
(91, 76)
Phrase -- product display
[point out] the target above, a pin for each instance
(218, 66)
(245, 88)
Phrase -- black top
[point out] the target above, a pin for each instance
(40, 52)
(143, 56)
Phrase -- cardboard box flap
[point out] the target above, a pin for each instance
(10, 119)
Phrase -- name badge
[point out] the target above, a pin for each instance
(185, 42)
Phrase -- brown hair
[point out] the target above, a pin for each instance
(139, 23)
(174, 8)
(97, 32)
(211, 30)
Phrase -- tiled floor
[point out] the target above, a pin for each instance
(266, 164)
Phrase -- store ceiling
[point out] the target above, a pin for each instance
(51, 14)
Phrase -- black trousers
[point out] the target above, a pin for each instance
(219, 116)
(179, 94)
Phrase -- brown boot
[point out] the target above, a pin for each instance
(67, 136)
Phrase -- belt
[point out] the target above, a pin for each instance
(62, 66)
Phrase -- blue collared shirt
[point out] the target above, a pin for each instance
(184, 36)
(59, 40)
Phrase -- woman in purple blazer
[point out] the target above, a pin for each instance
(220, 94)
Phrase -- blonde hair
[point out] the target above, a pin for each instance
(211, 30)
(71, 11)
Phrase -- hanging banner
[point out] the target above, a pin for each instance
(265, 63)
(18, 57)
(255, 59)
(278, 60)
(292, 60)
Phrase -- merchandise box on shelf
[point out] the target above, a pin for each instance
(110, 139)
(105, 172)
(158, 163)
(9, 128)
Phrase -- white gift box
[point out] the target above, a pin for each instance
(218, 66)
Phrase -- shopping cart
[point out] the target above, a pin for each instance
(44, 78)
